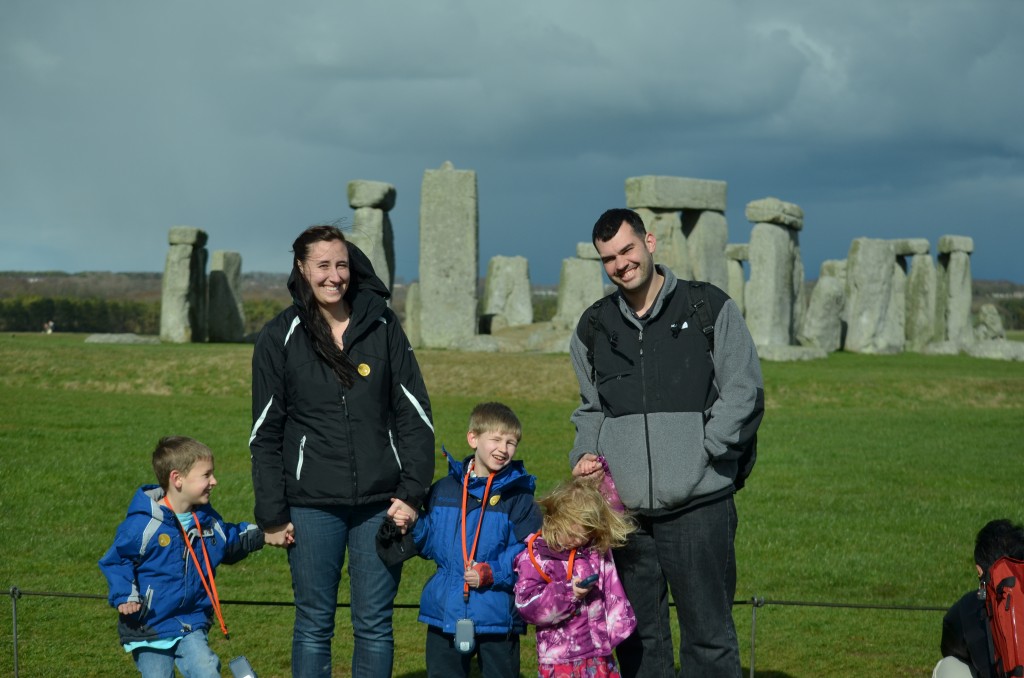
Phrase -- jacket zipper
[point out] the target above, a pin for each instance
(351, 446)
(647, 431)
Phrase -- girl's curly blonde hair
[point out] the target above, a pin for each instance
(576, 506)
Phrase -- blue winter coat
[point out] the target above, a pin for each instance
(150, 564)
(510, 516)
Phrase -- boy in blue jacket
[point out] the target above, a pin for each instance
(476, 522)
(161, 566)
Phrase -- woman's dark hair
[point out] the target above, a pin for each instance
(997, 539)
(309, 312)
(609, 223)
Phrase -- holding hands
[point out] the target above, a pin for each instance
(281, 536)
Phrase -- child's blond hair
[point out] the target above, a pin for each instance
(495, 417)
(177, 453)
(576, 506)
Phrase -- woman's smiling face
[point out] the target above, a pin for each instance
(326, 270)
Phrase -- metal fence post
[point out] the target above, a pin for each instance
(15, 594)
(755, 603)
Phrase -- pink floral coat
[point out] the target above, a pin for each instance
(569, 629)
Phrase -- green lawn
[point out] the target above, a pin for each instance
(874, 475)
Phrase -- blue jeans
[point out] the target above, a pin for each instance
(192, 655)
(691, 553)
(316, 559)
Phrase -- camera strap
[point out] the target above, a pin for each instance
(211, 587)
(469, 553)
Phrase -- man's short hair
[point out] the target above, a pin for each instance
(609, 223)
(177, 453)
(997, 539)
(499, 417)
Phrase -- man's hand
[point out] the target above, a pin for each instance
(589, 467)
(281, 536)
(129, 608)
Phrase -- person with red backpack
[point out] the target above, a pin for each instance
(974, 628)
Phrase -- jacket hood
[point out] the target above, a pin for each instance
(541, 548)
(148, 501)
(363, 278)
(512, 476)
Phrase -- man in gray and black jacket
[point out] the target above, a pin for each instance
(672, 398)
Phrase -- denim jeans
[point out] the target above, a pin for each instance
(192, 655)
(321, 538)
(692, 554)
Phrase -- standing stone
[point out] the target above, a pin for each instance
(226, 315)
(921, 298)
(371, 227)
(735, 255)
(706, 236)
(411, 321)
(580, 284)
(449, 256)
(671, 250)
(823, 326)
(507, 291)
(871, 287)
(990, 324)
(775, 299)
(953, 305)
(183, 299)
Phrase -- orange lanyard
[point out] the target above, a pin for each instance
(540, 570)
(469, 554)
(211, 588)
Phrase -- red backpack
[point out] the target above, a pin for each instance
(1004, 603)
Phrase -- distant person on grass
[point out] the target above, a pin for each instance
(475, 524)
(162, 564)
(966, 640)
(341, 440)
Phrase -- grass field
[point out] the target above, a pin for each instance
(874, 475)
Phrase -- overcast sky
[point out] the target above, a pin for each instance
(880, 118)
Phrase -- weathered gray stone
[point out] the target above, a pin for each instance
(737, 251)
(449, 256)
(670, 243)
(675, 193)
(956, 243)
(990, 324)
(997, 349)
(372, 233)
(909, 246)
(953, 300)
(769, 296)
(921, 291)
(835, 268)
(580, 284)
(226, 314)
(376, 194)
(705, 245)
(121, 338)
(411, 319)
(737, 282)
(791, 354)
(187, 235)
(774, 211)
(586, 250)
(183, 297)
(822, 327)
(507, 291)
(870, 298)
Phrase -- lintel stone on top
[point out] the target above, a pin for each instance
(586, 250)
(774, 211)
(378, 194)
(675, 193)
(738, 251)
(956, 243)
(909, 246)
(186, 235)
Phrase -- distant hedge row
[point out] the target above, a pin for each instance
(29, 314)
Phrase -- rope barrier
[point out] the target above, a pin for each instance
(755, 602)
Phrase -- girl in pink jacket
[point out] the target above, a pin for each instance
(578, 621)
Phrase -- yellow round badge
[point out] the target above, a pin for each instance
(494, 500)
(364, 369)
(164, 539)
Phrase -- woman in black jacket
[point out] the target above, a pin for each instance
(342, 437)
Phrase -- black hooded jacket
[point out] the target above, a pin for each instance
(315, 442)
